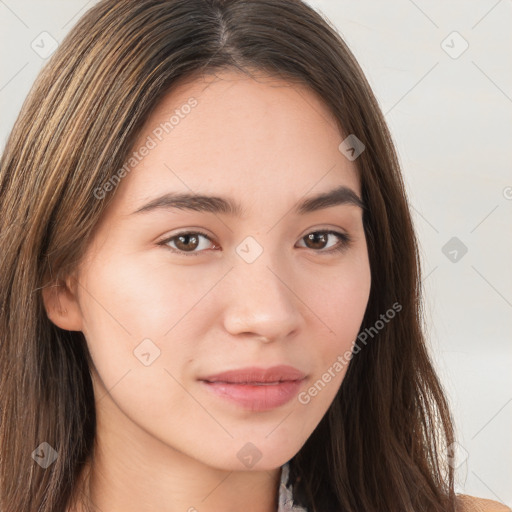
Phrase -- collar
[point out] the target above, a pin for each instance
(285, 493)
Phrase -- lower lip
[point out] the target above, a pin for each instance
(256, 397)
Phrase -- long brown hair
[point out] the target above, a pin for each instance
(381, 446)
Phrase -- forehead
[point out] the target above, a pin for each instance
(231, 134)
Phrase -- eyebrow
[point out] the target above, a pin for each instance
(214, 204)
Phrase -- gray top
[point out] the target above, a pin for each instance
(285, 493)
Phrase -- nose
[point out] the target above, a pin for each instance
(260, 302)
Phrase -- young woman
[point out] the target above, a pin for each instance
(210, 283)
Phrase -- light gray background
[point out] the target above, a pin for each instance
(450, 116)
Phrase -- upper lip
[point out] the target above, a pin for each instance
(253, 374)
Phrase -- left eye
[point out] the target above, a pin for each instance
(321, 237)
(188, 241)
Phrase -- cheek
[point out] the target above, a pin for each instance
(144, 310)
(140, 297)
(340, 297)
(339, 302)
(129, 305)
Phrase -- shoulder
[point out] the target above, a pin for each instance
(467, 503)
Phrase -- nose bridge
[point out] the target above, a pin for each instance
(261, 301)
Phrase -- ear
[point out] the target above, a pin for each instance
(61, 304)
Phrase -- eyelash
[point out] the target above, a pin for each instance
(345, 241)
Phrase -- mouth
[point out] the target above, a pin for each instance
(256, 389)
(254, 375)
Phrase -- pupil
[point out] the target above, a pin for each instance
(314, 236)
(187, 238)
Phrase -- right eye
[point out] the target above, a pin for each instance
(186, 242)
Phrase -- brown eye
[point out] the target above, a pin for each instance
(317, 241)
(187, 242)
(191, 243)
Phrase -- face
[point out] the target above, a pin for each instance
(172, 295)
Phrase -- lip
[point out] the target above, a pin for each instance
(254, 374)
(256, 389)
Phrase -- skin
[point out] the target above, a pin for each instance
(163, 441)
